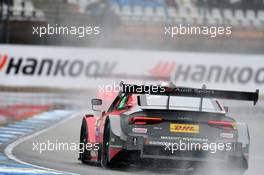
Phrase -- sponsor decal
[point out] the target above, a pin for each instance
(189, 139)
(140, 130)
(153, 142)
(227, 135)
(184, 128)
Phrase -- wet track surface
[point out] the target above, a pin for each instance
(69, 132)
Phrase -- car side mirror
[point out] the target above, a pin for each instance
(226, 109)
(96, 102)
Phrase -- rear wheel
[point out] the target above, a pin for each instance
(238, 166)
(84, 154)
(105, 147)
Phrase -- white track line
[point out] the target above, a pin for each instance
(9, 149)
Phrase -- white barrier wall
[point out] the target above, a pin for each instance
(69, 67)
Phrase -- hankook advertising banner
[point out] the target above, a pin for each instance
(82, 68)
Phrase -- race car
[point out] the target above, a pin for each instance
(167, 123)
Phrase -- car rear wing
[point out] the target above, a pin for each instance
(189, 92)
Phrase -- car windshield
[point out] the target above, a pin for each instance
(181, 103)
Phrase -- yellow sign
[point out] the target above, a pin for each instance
(184, 128)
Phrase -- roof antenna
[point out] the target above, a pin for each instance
(201, 101)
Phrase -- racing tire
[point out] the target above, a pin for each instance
(84, 154)
(238, 166)
(105, 163)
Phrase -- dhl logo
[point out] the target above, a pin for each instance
(184, 128)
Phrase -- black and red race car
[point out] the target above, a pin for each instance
(167, 123)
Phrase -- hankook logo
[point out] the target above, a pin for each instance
(33, 66)
(201, 73)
